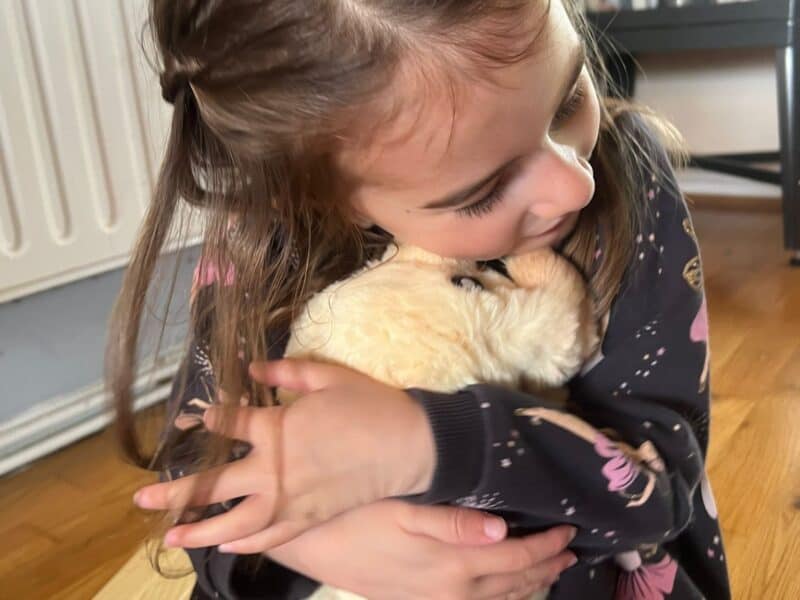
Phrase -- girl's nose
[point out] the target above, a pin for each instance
(567, 180)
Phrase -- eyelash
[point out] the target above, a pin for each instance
(485, 205)
(571, 107)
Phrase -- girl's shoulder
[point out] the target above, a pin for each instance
(663, 282)
(665, 233)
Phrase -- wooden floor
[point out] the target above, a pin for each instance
(67, 523)
(754, 461)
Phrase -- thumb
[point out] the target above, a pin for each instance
(455, 525)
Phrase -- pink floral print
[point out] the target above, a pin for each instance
(648, 582)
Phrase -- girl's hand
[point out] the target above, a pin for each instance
(394, 550)
(348, 441)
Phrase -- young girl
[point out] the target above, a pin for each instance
(314, 132)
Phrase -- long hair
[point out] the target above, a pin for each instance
(264, 92)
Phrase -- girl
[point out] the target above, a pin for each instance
(314, 132)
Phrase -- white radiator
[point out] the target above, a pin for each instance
(82, 128)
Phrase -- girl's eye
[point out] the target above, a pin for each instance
(570, 107)
(485, 205)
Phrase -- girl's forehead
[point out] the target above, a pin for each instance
(455, 124)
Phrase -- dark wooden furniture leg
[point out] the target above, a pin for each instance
(788, 70)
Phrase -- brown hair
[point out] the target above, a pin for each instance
(263, 93)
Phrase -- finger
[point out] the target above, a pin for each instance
(516, 555)
(532, 580)
(248, 517)
(302, 376)
(226, 482)
(520, 594)
(254, 424)
(523, 593)
(267, 539)
(453, 524)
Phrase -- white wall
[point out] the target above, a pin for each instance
(722, 101)
(51, 359)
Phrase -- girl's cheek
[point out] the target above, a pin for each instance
(497, 237)
(472, 238)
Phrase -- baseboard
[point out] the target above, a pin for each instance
(699, 182)
(61, 421)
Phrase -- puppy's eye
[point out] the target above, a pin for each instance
(497, 265)
(466, 282)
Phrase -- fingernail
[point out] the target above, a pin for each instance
(494, 529)
(225, 548)
(573, 532)
(170, 541)
(572, 561)
(140, 499)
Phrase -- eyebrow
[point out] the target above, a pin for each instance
(461, 196)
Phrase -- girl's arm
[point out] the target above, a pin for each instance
(625, 458)
(462, 559)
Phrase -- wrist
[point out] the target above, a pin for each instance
(423, 446)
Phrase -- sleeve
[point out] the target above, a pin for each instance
(219, 575)
(622, 460)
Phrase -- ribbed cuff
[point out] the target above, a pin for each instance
(459, 435)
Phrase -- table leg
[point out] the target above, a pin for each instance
(788, 71)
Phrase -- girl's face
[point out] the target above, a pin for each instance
(511, 175)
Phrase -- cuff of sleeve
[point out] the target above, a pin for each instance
(459, 436)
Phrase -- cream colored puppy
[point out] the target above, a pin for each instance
(413, 319)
